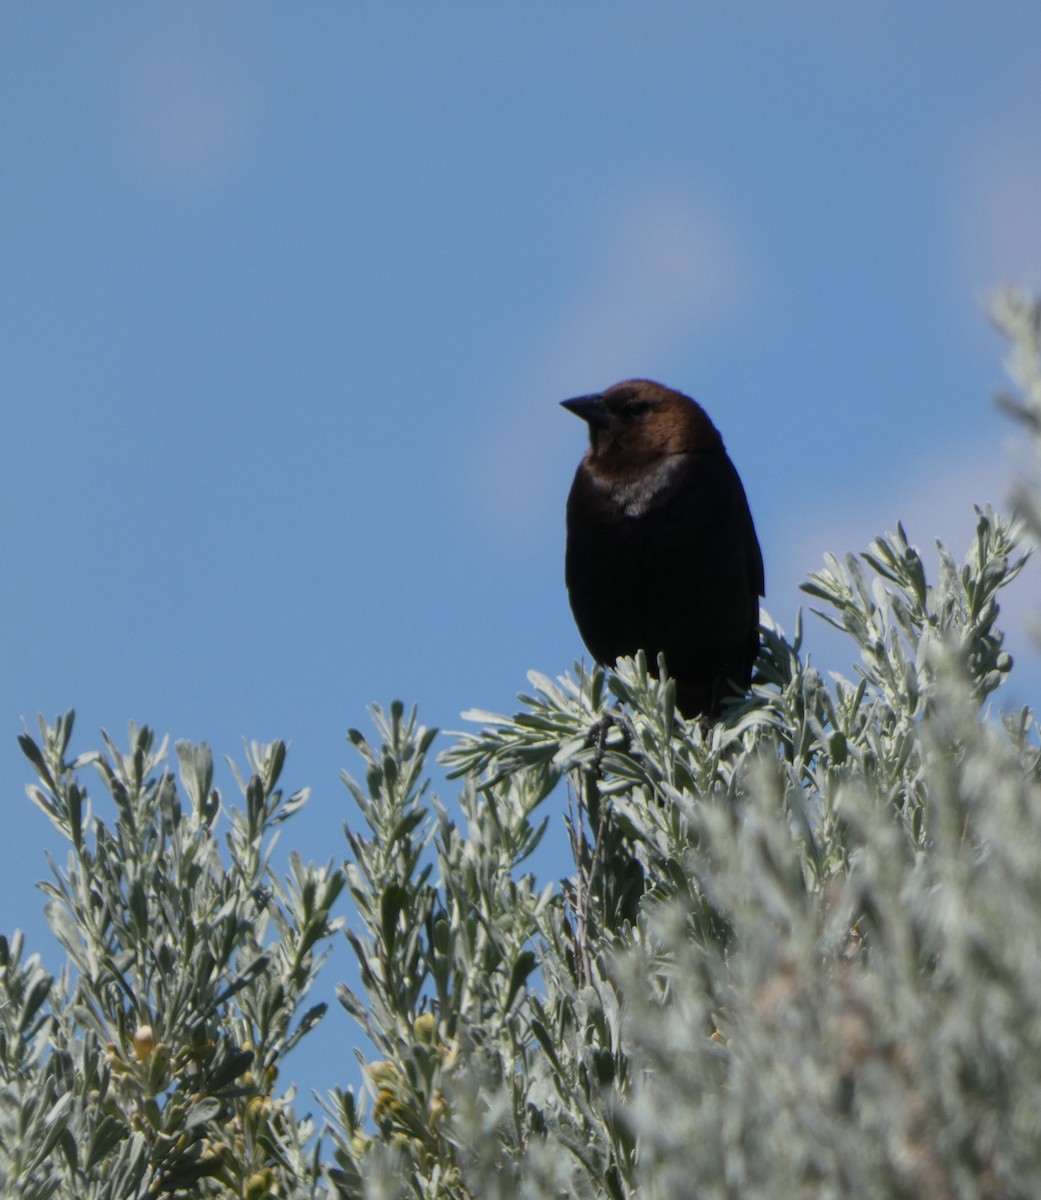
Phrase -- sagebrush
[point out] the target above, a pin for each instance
(798, 954)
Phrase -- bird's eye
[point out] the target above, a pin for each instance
(636, 408)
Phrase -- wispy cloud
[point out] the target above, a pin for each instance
(996, 222)
(671, 270)
(186, 97)
(934, 502)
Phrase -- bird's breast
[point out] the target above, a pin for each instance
(634, 494)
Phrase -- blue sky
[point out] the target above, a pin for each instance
(289, 294)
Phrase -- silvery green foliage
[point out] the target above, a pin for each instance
(797, 956)
(1018, 317)
(797, 953)
(150, 1068)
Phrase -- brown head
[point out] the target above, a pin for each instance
(638, 422)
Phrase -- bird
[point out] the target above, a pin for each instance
(662, 554)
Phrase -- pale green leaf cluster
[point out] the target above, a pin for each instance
(150, 1066)
(797, 953)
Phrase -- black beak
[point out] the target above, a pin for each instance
(591, 409)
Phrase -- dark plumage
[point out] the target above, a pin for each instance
(662, 554)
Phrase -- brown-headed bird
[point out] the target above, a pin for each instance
(662, 554)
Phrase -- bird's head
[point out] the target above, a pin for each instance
(639, 422)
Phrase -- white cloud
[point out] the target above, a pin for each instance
(671, 271)
(186, 99)
(997, 215)
(934, 501)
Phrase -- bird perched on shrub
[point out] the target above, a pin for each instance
(662, 555)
